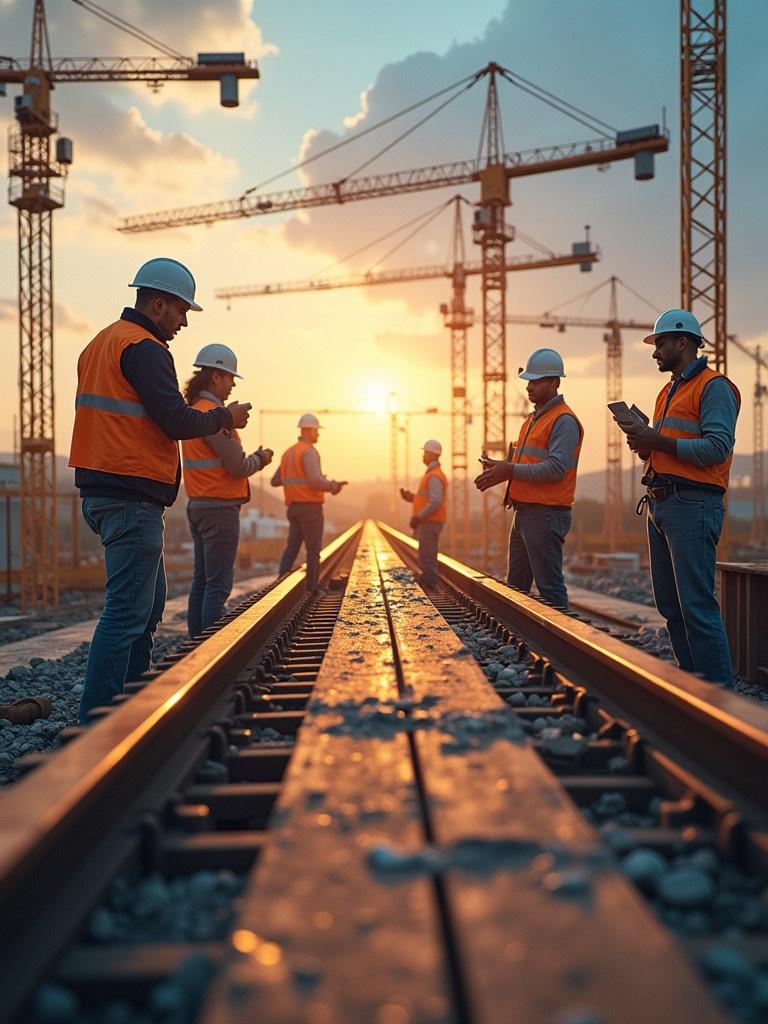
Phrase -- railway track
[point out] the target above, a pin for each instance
(401, 841)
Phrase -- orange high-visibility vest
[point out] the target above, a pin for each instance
(113, 433)
(421, 497)
(294, 479)
(533, 446)
(682, 418)
(204, 472)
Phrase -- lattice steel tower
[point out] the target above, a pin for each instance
(492, 234)
(703, 170)
(36, 189)
(614, 500)
(458, 319)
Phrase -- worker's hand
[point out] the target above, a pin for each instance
(265, 454)
(337, 486)
(406, 495)
(495, 471)
(414, 523)
(239, 411)
(641, 438)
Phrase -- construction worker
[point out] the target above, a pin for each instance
(304, 489)
(216, 471)
(687, 454)
(129, 414)
(429, 511)
(541, 475)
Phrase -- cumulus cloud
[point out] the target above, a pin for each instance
(144, 164)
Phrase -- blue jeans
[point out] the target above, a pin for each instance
(536, 551)
(683, 531)
(215, 533)
(132, 535)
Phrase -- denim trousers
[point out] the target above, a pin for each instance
(428, 535)
(536, 551)
(305, 525)
(683, 531)
(215, 534)
(131, 533)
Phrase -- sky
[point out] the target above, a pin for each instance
(330, 70)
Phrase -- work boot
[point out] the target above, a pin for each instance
(26, 710)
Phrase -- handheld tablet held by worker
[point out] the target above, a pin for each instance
(626, 416)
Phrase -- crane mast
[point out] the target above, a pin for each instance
(614, 499)
(491, 233)
(458, 318)
(703, 237)
(36, 189)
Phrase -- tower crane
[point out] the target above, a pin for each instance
(492, 169)
(613, 326)
(458, 318)
(37, 174)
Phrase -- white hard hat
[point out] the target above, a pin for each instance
(167, 275)
(309, 420)
(544, 362)
(218, 357)
(674, 321)
(433, 446)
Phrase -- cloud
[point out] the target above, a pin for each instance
(144, 164)
(70, 320)
(65, 317)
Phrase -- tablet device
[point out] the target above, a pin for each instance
(622, 414)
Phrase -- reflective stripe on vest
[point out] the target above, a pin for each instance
(532, 447)
(204, 473)
(680, 417)
(294, 479)
(421, 497)
(113, 433)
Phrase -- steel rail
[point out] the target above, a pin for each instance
(52, 820)
(714, 729)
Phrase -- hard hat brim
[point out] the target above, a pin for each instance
(159, 287)
(650, 339)
(221, 369)
(525, 375)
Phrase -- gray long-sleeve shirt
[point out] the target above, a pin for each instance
(435, 493)
(563, 439)
(310, 463)
(234, 460)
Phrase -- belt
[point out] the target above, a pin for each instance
(662, 491)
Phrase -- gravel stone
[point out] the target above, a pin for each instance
(686, 887)
(725, 962)
(56, 1005)
(645, 868)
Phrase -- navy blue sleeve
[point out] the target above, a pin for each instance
(149, 369)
